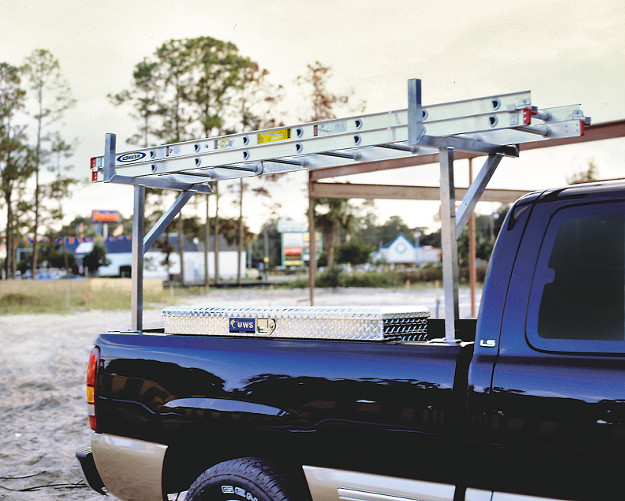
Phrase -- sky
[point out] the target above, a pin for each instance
(564, 52)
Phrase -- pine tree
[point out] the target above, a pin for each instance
(16, 158)
(52, 99)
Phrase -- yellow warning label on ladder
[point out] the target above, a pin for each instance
(274, 135)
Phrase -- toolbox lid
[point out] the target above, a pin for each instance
(363, 323)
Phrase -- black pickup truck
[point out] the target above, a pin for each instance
(529, 403)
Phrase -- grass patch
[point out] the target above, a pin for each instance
(66, 296)
(18, 300)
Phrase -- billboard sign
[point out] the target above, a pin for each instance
(105, 216)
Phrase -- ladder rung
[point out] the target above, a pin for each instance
(400, 147)
(301, 163)
(341, 154)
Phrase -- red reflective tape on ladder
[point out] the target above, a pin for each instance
(527, 116)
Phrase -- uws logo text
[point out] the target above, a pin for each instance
(131, 157)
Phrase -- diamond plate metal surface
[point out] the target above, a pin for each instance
(309, 322)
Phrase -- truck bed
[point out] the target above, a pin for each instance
(190, 392)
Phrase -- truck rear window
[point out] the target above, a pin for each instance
(577, 300)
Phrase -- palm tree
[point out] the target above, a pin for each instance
(337, 217)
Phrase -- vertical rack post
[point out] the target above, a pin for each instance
(108, 168)
(472, 270)
(416, 131)
(449, 242)
(415, 112)
(138, 230)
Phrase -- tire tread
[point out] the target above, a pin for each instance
(261, 472)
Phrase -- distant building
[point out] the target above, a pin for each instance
(402, 251)
(119, 253)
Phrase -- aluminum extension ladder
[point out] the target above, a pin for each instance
(492, 126)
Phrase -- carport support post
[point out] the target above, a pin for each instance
(138, 230)
(312, 244)
(449, 242)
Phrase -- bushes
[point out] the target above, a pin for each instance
(337, 278)
(396, 278)
(369, 279)
(388, 278)
(331, 278)
(426, 274)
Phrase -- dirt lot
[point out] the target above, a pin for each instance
(43, 358)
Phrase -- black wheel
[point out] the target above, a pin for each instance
(242, 479)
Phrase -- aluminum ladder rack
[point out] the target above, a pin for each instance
(492, 126)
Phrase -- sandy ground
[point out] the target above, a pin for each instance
(43, 358)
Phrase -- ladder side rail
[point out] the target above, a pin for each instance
(475, 192)
(449, 242)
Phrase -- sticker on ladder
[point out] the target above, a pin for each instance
(224, 143)
(131, 157)
(331, 128)
(274, 135)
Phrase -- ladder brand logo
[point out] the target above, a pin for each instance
(131, 157)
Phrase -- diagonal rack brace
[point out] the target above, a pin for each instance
(492, 126)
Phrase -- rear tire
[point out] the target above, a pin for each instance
(242, 479)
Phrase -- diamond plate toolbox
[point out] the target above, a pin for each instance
(307, 322)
